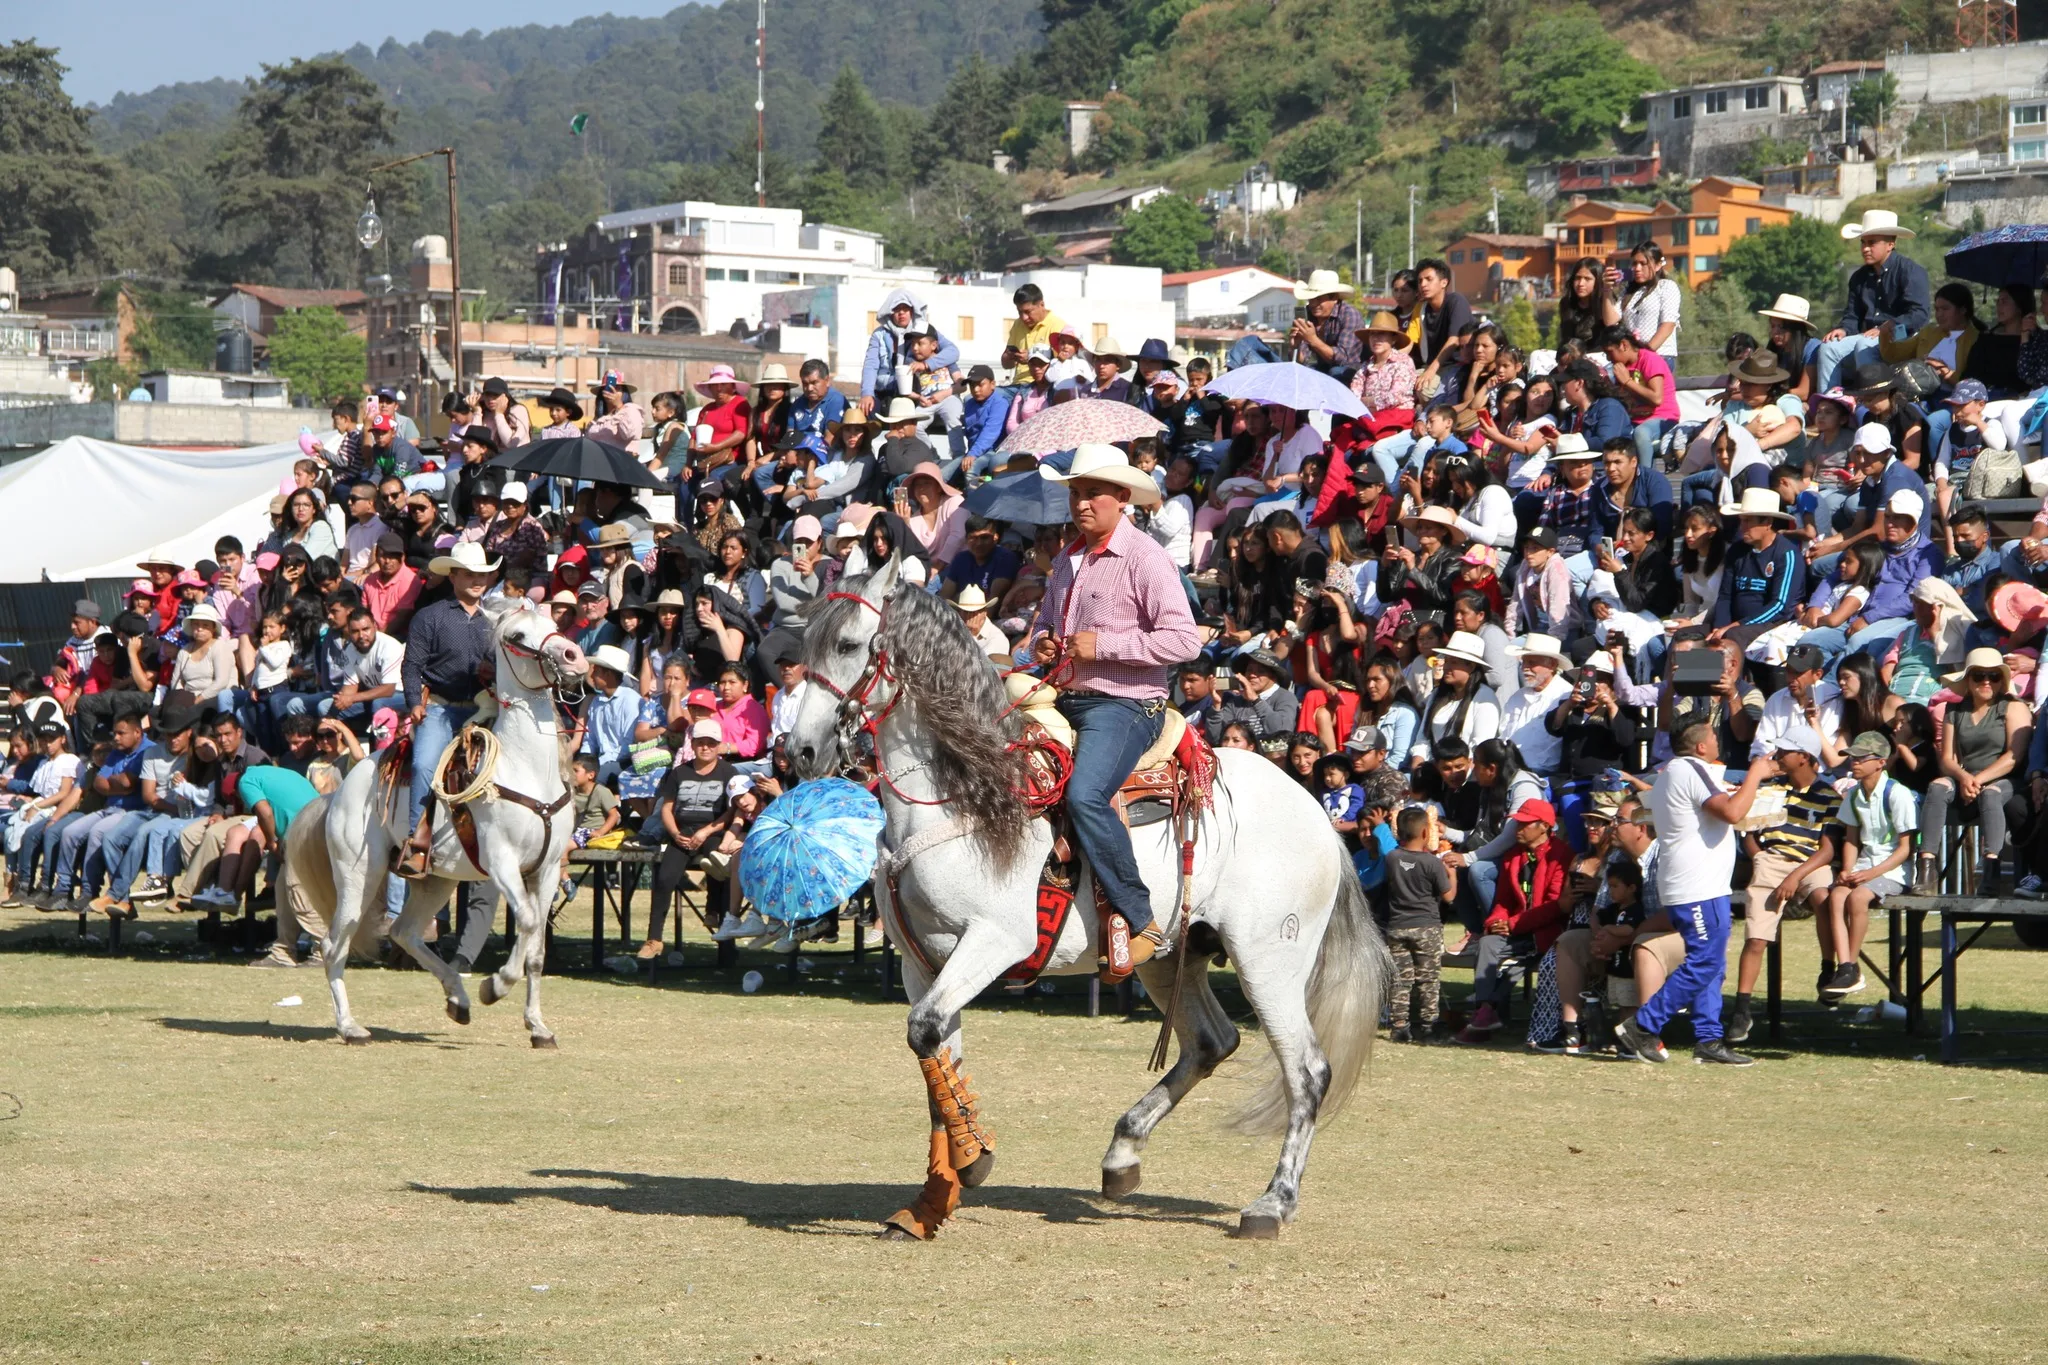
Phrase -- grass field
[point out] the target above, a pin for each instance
(198, 1174)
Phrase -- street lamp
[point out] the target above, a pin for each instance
(369, 227)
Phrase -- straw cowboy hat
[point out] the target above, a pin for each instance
(1442, 517)
(1319, 284)
(468, 555)
(971, 600)
(775, 374)
(1536, 646)
(612, 657)
(1107, 464)
(612, 533)
(1464, 645)
(157, 559)
(899, 411)
(1571, 446)
(1384, 321)
(1981, 659)
(1788, 308)
(1109, 348)
(204, 612)
(561, 398)
(1757, 502)
(1876, 223)
(720, 374)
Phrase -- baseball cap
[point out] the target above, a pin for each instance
(704, 697)
(1969, 391)
(1906, 503)
(1368, 471)
(1541, 535)
(805, 528)
(1041, 354)
(382, 422)
(390, 543)
(734, 785)
(1366, 739)
(1873, 437)
(1533, 811)
(979, 373)
(514, 491)
(1804, 659)
(1870, 744)
(707, 729)
(591, 589)
(1801, 739)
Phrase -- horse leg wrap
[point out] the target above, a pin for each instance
(963, 1126)
(938, 1199)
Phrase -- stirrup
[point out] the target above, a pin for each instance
(415, 861)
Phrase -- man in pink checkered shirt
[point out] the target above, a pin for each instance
(1115, 607)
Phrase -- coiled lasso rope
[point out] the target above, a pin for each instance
(481, 788)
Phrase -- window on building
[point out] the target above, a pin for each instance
(758, 236)
(1457, 258)
(1705, 265)
(736, 276)
(1624, 168)
(678, 275)
(2028, 114)
(1756, 97)
(824, 279)
(1680, 232)
(1681, 106)
(714, 272)
(1627, 235)
(1096, 334)
(1706, 227)
(1594, 236)
(872, 317)
(2030, 151)
(1715, 102)
(776, 277)
(1515, 253)
(1752, 225)
(839, 244)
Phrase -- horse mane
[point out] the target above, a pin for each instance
(958, 696)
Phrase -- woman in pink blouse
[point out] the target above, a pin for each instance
(1386, 382)
(742, 720)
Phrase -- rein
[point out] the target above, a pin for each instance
(855, 714)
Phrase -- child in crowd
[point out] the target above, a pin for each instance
(1878, 818)
(1831, 451)
(1418, 887)
(1792, 482)
(1377, 803)
(1342, 798)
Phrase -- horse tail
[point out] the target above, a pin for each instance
(1346, 992)
(305, 855)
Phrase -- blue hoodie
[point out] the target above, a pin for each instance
(887, 347)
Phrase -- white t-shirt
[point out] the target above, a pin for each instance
(1283, 460)
(1695, 851)
(1782, 715)
(1521, 721)
(273, 664)
(49, 775)
(381, 663)
(359, 544)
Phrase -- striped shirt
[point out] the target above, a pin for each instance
(1129, 593)
(1807, 815)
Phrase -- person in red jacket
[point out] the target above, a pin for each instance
(1527, 915)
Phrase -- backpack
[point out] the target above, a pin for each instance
(1995, 474)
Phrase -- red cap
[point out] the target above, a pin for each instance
(1533, 811)
(382, 422)
(704, 697)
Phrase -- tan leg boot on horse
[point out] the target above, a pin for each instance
(962, 1152)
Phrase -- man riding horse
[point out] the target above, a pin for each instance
(1115, 611)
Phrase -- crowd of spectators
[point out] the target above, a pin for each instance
(1521, 629)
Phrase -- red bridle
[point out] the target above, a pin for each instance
(855, 715)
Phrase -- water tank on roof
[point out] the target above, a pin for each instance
(432, 249)
(234, 353)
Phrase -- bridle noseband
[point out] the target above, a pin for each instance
(553, 678)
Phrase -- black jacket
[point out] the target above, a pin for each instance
(1648, 584)
(1895, 292)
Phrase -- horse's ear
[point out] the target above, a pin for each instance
(884, 580)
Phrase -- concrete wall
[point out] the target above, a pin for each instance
(2014, 70)
(155, 424)
(2004, 199)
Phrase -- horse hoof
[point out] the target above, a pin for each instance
(1119, 1183)
(356, 1039)
(489, 992)
(1258, 1227)
(891, 1233)
(459, 1013)
(545, 1043)
(977, 1170)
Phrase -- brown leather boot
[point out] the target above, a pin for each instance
(1123, 951)
(651, 949)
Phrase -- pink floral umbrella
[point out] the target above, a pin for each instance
(1083, 421)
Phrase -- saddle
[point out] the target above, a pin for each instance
(462, 766)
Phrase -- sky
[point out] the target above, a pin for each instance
(135, 45)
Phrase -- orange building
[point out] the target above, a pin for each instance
(1492, 266)
(1723, 208)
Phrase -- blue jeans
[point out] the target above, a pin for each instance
(106, 851)
(1701, 488)
(127, 845)
(1836, 356)
(1646, 436)
(1874, 639)
(430, 739)
(1696, 985)
(45, 841)
(1832, 503)
(1110, 735)
(84, 833)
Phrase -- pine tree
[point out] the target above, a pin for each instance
(851, 139)
(53, 184)
(971, 116)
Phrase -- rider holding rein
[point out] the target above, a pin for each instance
(1115, 610)
(450, 656)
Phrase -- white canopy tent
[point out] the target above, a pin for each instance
(91, 509)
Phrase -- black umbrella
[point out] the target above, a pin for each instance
(581, 458)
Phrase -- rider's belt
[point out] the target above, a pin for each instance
(1151, 708)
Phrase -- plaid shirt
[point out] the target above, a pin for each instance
(1571, 516)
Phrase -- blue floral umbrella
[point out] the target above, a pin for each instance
(810, 849)
(2009, 255)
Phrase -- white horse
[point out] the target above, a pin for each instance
(523, 825)
(1271, 887)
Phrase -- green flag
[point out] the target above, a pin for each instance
(576, 124)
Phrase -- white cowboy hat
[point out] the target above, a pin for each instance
(1109, 348)
(1876, 223)
(468, 555)
(1571, 446)
(1788, 308)
(1538, 647)
(1463, 644)
(1757, 502)
(1981, 659)
(971, 599)
(1107, 464)
(901, 410)
(775, 374)
(1432, 516)
(203, 612)
(1319, 283)
(612, 657)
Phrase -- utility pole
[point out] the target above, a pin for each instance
(1493, 214)
(761, 106)
(454, 257)
(1413, 190)
(1358, 245)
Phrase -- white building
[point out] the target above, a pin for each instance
(1219, 293)
(1122, 302)
(1272, 308)
(214, 388)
